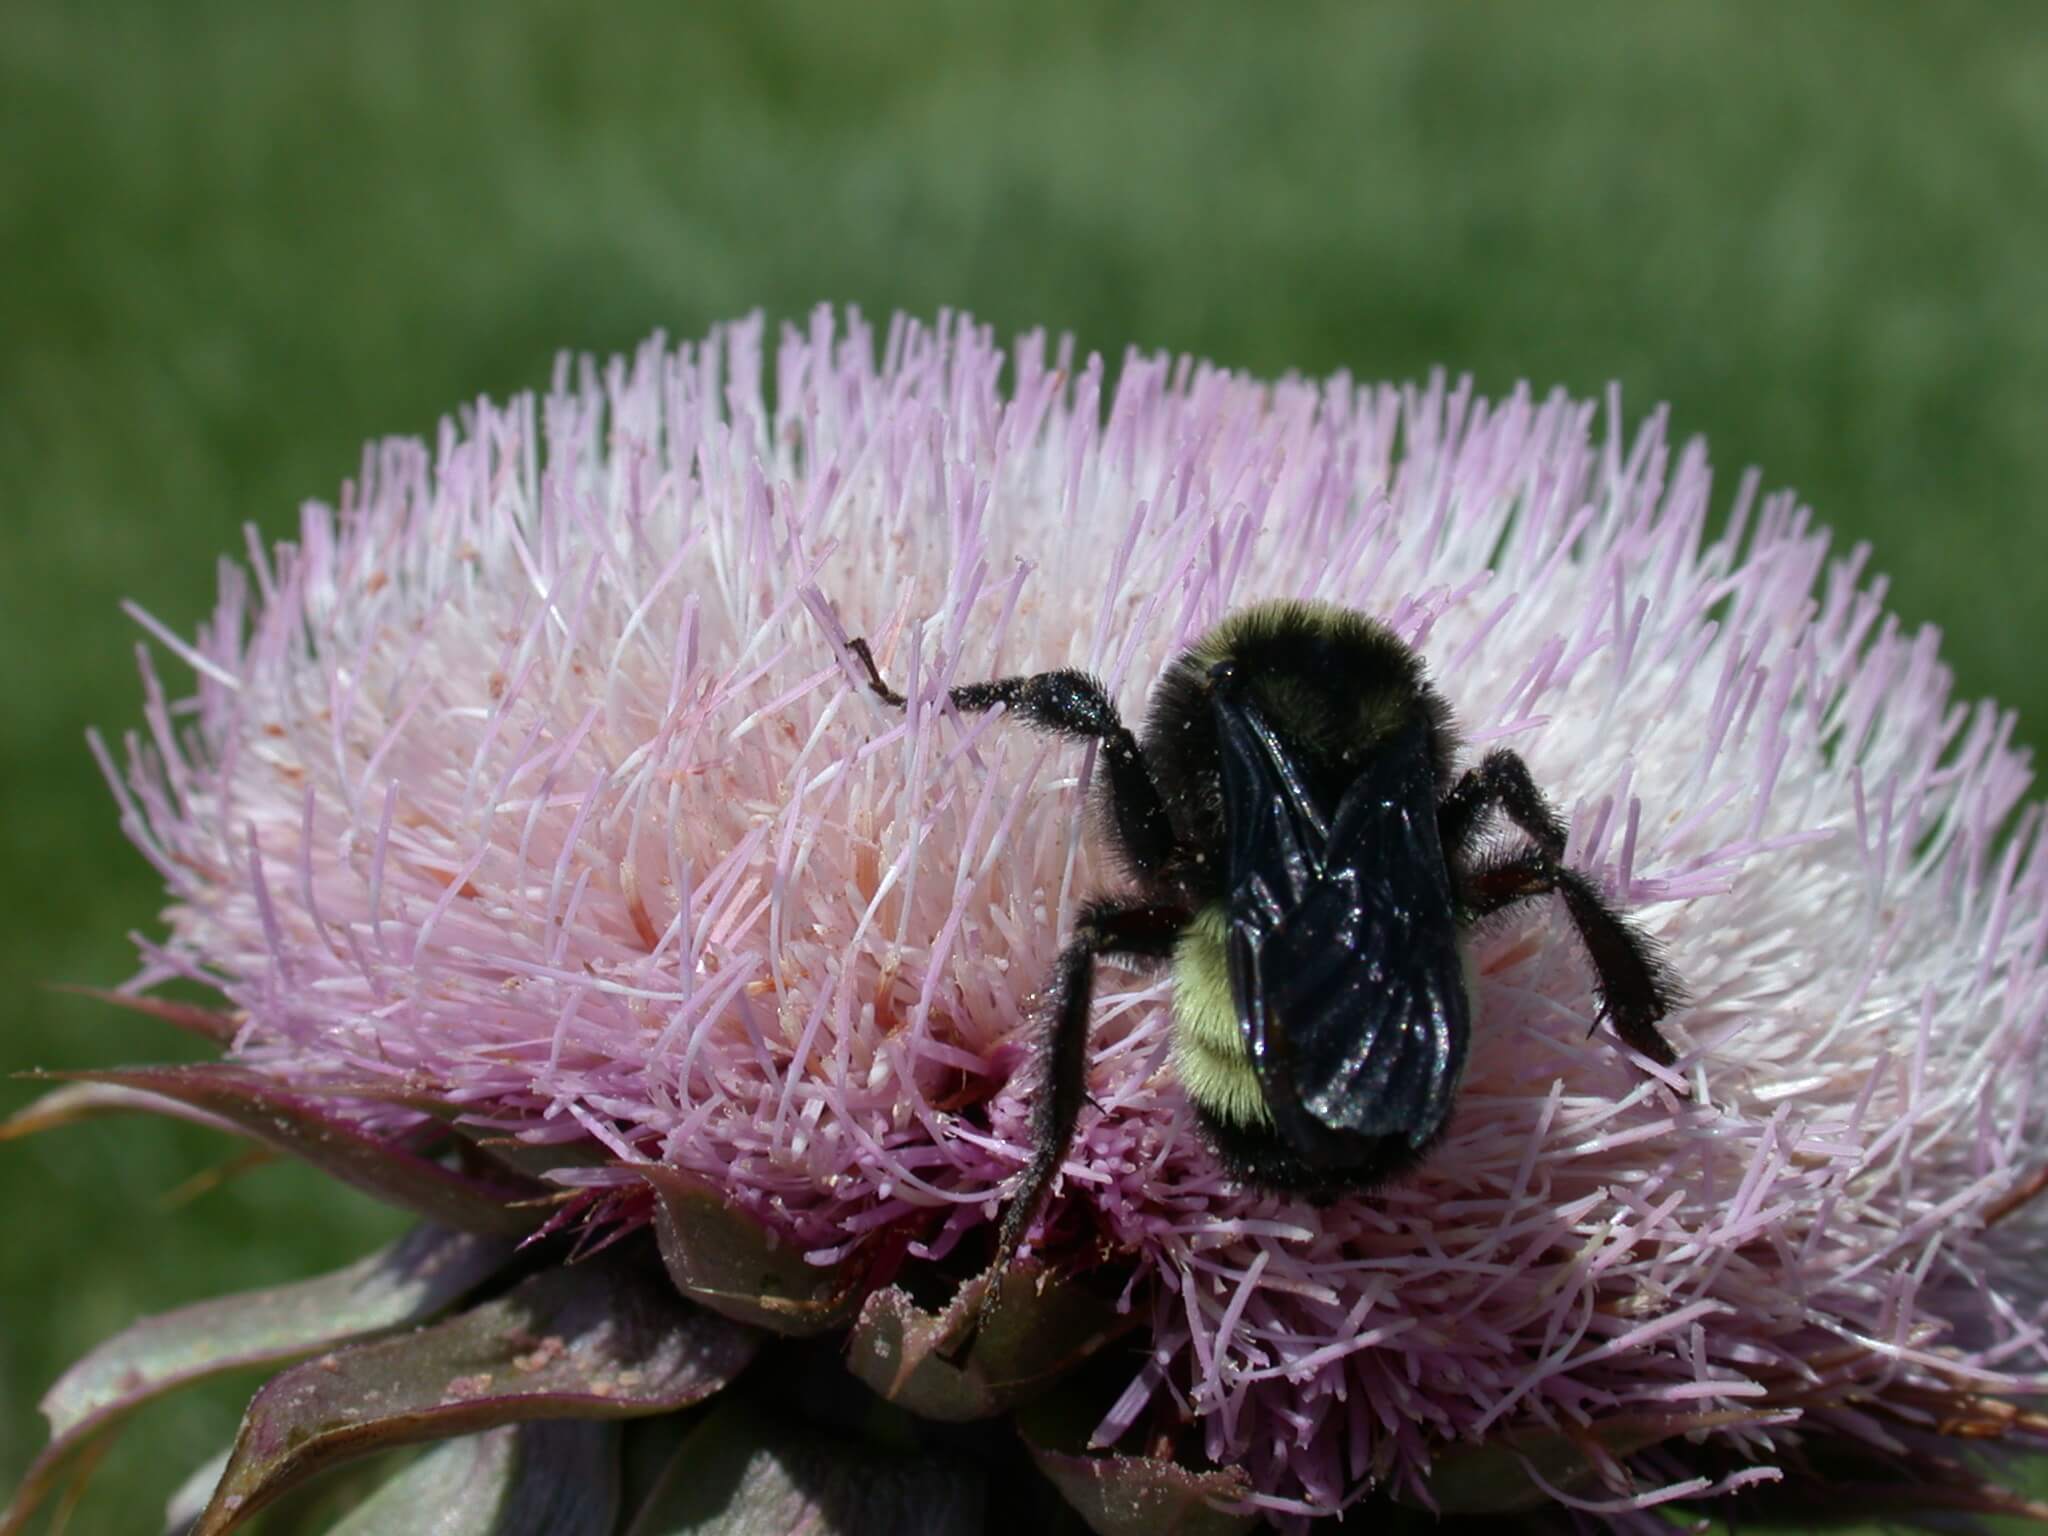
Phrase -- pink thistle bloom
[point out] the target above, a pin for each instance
(537, 778)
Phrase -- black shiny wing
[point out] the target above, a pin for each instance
(1343, 945)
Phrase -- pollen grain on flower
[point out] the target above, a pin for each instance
(538, 772)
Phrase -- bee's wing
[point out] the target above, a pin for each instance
(1343, 945)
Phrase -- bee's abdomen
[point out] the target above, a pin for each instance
(1216, 1073)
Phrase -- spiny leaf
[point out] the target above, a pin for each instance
(88, 1101)
(1121, 1495)
(723, 1258)
(411, 1280)
(308, 1125)
(1041, 1329)
(1145, 1496)
(605, 1339)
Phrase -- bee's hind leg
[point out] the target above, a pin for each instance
(1501, 779)
(1636, 987)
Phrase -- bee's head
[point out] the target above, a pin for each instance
(1333, 684)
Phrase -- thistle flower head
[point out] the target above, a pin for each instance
(535, 783)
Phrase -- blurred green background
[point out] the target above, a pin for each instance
(237, 239)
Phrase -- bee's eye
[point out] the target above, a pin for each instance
(1223, 673)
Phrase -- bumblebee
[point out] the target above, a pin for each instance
(1307, 860)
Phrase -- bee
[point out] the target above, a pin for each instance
(1308, 861)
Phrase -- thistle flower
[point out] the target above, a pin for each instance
(561, 879)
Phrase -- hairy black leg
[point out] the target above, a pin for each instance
(1072, 704)
(1139, 930)
(1636, 989)
(1501, 779)
(867, 659)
